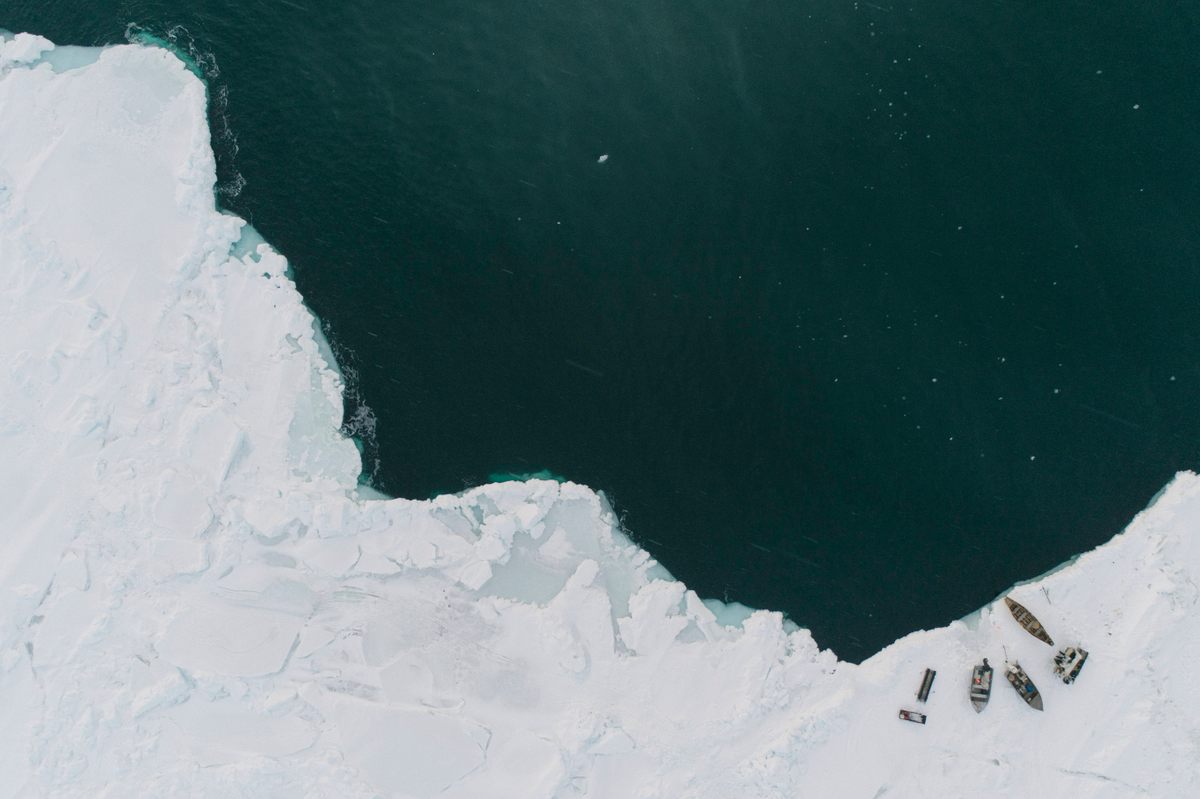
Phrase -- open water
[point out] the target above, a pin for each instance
(872, 310)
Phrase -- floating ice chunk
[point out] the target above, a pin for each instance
(164, 687)
(408, 680)
(181, 508)
(230, 640)
(414, 753)
(62, 632)
(602, 158)
(227, 731)
(174, 556)
(654, 620)
(23, 702)
(24, 48)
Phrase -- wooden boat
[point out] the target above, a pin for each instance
(1028, 621)
(981, 686)
(926, 685)
(1023, 685)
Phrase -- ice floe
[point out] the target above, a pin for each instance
(196, 600)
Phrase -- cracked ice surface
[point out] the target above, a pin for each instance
(194, 601)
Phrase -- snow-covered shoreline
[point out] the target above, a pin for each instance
(195, 600)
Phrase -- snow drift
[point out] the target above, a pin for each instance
(196, 601)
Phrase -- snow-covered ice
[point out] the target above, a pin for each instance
(195, 600)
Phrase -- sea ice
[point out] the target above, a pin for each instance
(24, 48)
(196, 600)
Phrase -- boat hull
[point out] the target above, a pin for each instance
(1028, 621)
(1069, 662)
(981, 686)
(1024, 686)
(926, 685)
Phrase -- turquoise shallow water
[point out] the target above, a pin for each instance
(870, 312)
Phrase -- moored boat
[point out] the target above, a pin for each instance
(913, 716)
(1028, 621)
(926, 685)
(981, 686)
(1023, 685)
(1069, 662)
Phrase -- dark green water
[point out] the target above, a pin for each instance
(872, 311)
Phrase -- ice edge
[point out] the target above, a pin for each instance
(262, 569)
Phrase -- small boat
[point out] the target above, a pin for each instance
(926, 685)
(981, 686)
(1028, 621)
(1023, 685)
(1069, 662)
(913, 716)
